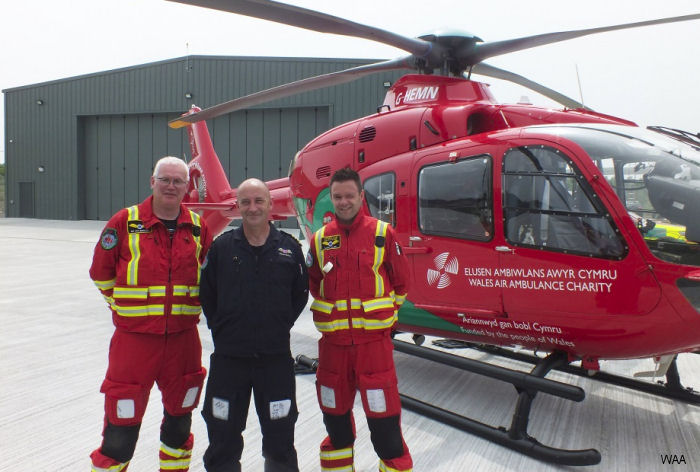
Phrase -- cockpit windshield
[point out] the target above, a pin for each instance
(656, 176)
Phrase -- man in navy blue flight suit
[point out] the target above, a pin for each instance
(254, 285)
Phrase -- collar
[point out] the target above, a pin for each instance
(273, 237)
(149, 218)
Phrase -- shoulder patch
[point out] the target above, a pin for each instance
(309, 258)
(109, 239)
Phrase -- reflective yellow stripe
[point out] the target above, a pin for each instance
(319, 256)
(184, 290)
(186, 310)
(196, 220)
(130, 292)
(175, 464)
(180, 290)
(132, 268)
(384, 303)
(173, 452)
(141, 310)
(400, 299)
(327, 326)
(320, 305)
(364, 323)
(140, 292)
(379, 258)
(114, 468)
(385, 468)
(105, 284)
(156, 290)
(336, 454)
(340, 305)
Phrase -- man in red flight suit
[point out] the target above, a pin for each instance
(147, 266)
(358, 277)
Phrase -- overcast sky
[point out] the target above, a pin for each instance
(648, 75)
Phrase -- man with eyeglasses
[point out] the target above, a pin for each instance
(147, 266)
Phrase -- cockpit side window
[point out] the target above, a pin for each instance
(379, 194)
(547, 204)
(455, 199)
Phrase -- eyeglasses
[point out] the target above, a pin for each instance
(175, 182)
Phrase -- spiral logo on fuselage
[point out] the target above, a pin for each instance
(444, 266)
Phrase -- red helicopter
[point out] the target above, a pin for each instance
(562, 231)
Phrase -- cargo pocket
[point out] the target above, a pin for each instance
(125, 403)
(185, 394)
(380, 394)
(330, 393)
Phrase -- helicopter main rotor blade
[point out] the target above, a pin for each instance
(491, 71)
(292, 88)
(473, 54)
(313, 20)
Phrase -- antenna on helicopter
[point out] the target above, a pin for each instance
(580, 89)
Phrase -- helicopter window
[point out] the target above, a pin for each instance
(548, 204)
(455, 199)
(656, 178)
(379, 194)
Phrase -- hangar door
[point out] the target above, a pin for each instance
(119, 151)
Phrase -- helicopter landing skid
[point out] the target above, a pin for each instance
(527, 385)
(672, 388)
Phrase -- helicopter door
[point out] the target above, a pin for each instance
(564, 253)
(453, 236)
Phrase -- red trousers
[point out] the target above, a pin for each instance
(369, 368)
(137, 360)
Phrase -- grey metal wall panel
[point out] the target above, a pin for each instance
(271, 145)
(116, 163)
(254, 143)
(104, 182)
(133, 181)
(145, 140)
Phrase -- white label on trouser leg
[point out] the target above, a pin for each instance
(327, 397)
(280, 409)
(219, 408)
(125, 408)
(190, 397)
(376, 400)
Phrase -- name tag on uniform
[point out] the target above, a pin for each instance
(137, 226)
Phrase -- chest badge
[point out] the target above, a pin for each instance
(137, 226)
(330, 242)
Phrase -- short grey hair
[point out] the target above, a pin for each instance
(171, 160)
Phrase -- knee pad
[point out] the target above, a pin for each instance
(119, 442)
(175, 430)
(386, 436)
(340, 429)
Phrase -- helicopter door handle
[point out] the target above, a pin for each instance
(411, 249)
(507, 249)
(414, 239)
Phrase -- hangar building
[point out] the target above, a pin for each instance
(84, 147)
